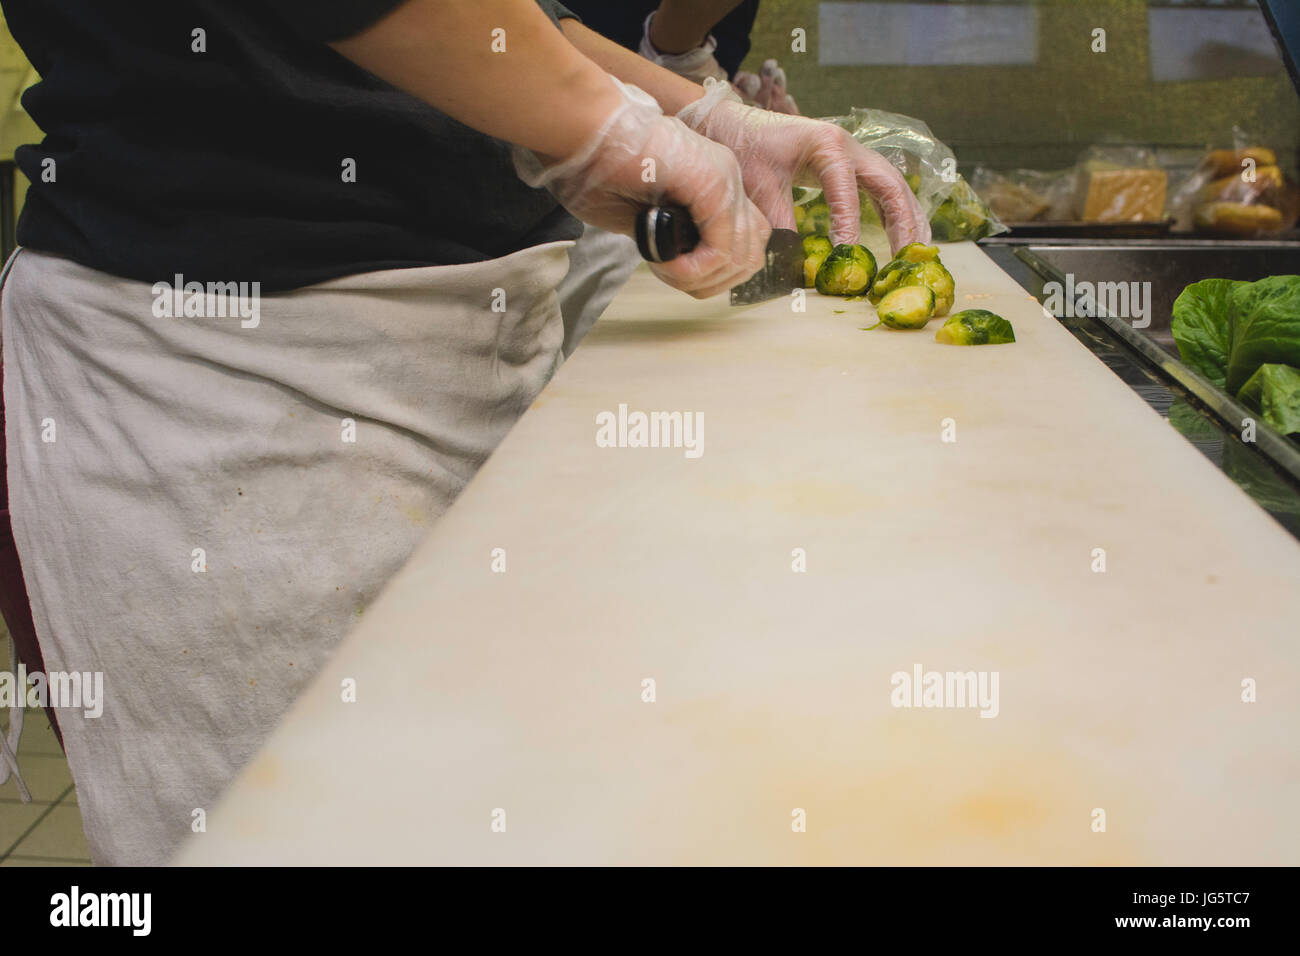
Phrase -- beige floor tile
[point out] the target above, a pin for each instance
(38, 736)
(36, 861)
(15, 818)
(59, 834)
(46, 777)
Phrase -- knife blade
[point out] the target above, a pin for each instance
(665, 232)
(782, 270)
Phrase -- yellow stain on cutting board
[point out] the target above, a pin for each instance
(912, 788)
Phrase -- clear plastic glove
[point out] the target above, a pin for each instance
(605, 184)
(777, 152)
(765, 89)
(697, 65)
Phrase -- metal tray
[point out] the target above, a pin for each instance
(1077, 229)
(1147, 358)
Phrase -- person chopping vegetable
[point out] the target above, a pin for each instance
(699, 40)
(287, 278)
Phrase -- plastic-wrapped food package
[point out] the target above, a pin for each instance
(1027, 195)
(955, 211)
(1120, 184)
(1240, 191)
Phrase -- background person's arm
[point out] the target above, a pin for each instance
(672, 91)
(681, 25)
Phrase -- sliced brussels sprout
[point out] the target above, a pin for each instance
(815, 251)
(890, 278)
(848, 270)
(975, 327)
(907, 308)
(920, 271)
(938, 279)
(917, 252)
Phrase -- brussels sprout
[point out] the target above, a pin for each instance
(907, 308)
(917, 252)
(901, 272)
(848, 270)
(815, 251)
(975, 327)
(963, 215)
(816, 219)
(938, 279)
(890, 278)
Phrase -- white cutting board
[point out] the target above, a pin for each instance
(522, 691)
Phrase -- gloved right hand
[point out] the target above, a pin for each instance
(640, 158)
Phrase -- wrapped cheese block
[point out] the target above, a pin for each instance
(1123, 195)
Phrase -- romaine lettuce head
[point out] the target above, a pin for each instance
(1202, 326)
(1265, 327)
(1274, 390)
(1226, 330)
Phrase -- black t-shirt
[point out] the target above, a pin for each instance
(226, 158)
(623, 21)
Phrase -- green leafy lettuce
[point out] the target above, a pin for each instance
(1274, 391)
(1202, 329)
(1245, 338)
(1265, 327)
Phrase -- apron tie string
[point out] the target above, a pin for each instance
(9, 741)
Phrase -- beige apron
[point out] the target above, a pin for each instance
(204, 505)
(599, 266)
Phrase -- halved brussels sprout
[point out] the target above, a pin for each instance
(975, 327)
(917, 252)
(815, 251)
(928, 272)
(907, 308)
(848, 270)
(890, 278)
(939, 280)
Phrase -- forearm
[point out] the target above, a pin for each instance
(681, 25)
(672, 91)
(540, 93)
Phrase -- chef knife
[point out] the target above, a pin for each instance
(665, 232)
(782, 270)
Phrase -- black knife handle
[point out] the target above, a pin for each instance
(665, 232)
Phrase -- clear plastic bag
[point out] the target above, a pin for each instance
(1241, 191)
(1027, 195)
(1120, 184)
(955, 211)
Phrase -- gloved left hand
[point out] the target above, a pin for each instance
(777, 151)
